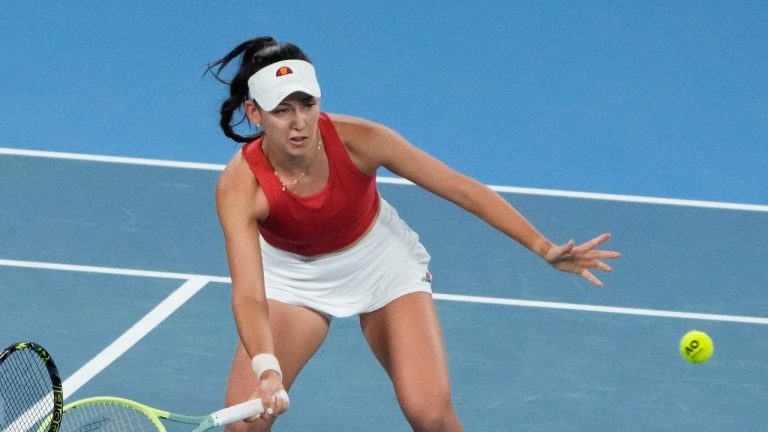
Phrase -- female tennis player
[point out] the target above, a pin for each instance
(308, 238)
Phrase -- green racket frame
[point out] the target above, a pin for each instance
(204, 423)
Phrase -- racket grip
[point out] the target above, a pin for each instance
(237, 412)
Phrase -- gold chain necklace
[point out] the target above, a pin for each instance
(297, 179)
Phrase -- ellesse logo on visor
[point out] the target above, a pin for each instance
(285, 70)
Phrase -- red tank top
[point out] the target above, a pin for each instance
(326, 221)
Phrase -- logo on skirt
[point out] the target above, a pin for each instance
(427, 278)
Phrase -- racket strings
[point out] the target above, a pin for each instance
(25, 392)
(106, 417)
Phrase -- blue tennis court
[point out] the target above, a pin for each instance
(111, 254)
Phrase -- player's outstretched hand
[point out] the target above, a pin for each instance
(580, 259)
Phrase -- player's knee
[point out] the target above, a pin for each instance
(427, 414)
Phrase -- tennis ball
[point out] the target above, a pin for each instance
(696, 346)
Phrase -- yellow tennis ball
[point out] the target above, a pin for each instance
(696, 346)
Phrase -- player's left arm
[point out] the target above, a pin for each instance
(373, 145)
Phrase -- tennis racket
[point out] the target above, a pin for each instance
(114, 414)
(30, 389)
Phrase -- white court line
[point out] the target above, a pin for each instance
(607, 197)
(133, 335)
(400, 181)
(437, 296)
(602, 309)
(110, 159)
(109, 270)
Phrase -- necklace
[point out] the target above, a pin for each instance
(288, 185)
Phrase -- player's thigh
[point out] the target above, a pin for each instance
(297, 332)
(406, 338)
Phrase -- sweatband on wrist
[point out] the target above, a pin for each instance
(264, 362)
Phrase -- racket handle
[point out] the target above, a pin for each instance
(237, 412)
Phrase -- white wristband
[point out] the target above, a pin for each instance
(264, 362)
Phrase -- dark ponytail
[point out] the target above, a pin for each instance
(255, 54)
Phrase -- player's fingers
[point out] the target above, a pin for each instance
(268, 414)
(590, 277)
(269, 409)
(603, 254)
(281, 402)
(602, 266)
(275, 405)
(594, 256)
(282, 395)
(595, 242)
(557, 252)
(274, 409)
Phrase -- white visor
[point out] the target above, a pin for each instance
(270, 85)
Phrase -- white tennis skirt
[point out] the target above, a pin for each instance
(387, 263)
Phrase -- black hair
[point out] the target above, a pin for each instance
(255, 54)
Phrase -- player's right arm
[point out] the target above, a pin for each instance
(240, 205)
